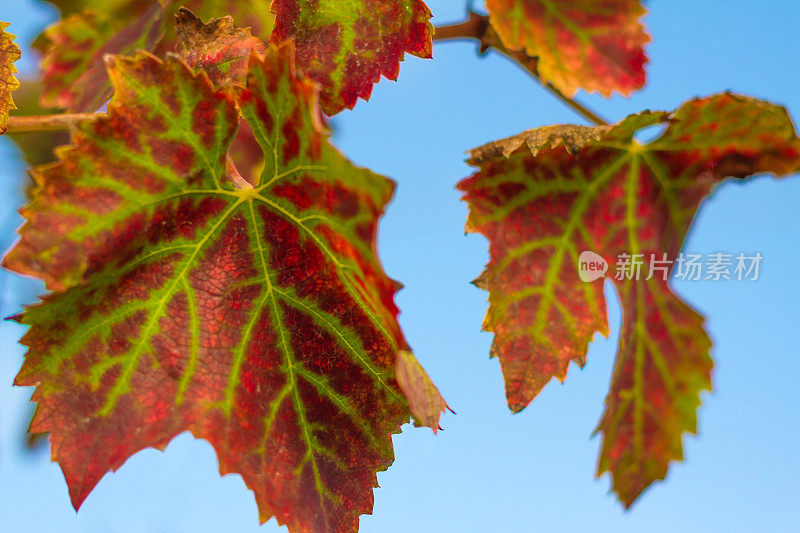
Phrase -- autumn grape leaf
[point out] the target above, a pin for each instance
(68, 49)
(121, 9)
(217, 47)
(250, 13)
(580, 44)
(74, 74)
(9, 53)
(347, 46)
(545, 196)
(257, 317)
(73, 71)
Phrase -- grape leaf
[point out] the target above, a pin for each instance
(121, 9)
(580, 44)
(545, 196)
(250, 13)
(73, 71)
(74, 75)
(254, 314)
(347, 46)
(218, 48)
(9, 53)
(68, 48)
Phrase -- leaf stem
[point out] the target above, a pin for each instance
(479, 28)
(64, 121)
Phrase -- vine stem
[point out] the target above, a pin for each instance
(64, 121)
(477, 27)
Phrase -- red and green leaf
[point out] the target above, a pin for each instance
(74, 74)
(347, 45)
(121, 9)
(543, 197)
(218, 48)
(9, 54)
(580, 44)
(252, 312)
(252, 13)
(73, 69)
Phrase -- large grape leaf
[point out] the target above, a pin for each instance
(9, 54)
(73, 71)
(253, 313)
(545, 196)
(347, 45)
(580, 44)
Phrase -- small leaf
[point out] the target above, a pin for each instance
(9, 54)
(218, 48)
(600, 190)
(347, 46)
(580, 44)
(253, 313)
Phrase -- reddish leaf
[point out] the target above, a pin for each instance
(73, 71)
(540, 206)
(580, 44)
(347, 46)
(121, 9)
(255, 316)
(250, 13)
(9, 53)
(74, 74)
(217, 47)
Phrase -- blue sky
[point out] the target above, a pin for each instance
(491, 470)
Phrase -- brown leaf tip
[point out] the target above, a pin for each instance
(193, 32)
(571, 136)
(217, 47)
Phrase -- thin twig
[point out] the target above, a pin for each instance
(473, 28)
(65, 121)
(477, 27)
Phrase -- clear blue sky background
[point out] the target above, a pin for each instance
(491, 470)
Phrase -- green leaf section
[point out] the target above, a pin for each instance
(252, 312)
